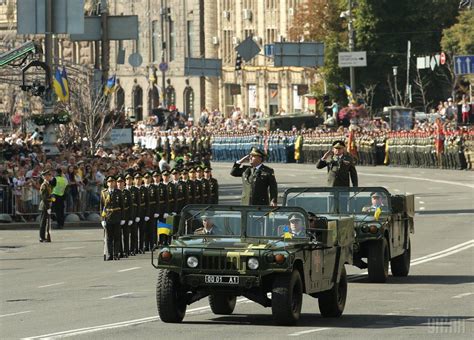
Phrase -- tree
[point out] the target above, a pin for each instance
(459, 38)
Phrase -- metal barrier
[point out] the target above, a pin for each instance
(6, 200)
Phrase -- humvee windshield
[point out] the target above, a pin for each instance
(339, 202)
(259, 223)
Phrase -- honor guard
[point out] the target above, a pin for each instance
(144, 216)
(191, 186)
(154, 212)
(213, 186)
(134, 196)
(180, 188)
(197, 186)
(111, 207)
(171, 192)
(45, 206)
(137, 182)
(204, 184)
(127, 200)
(162, 199)
(185, 179)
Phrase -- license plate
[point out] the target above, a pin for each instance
(221, 279)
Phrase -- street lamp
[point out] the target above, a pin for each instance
(395, 81)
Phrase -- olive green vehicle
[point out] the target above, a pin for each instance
(252, 252)
(382, 224)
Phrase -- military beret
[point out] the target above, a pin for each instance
(120, 178)
(110, 179)
(257, 152)
(339, 144)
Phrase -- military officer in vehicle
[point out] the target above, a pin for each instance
(45, 205)
(376, 202)
(208, 226)
(296, 226)
(111, 207)
(340, 166)
(213, 186)
(259, 183)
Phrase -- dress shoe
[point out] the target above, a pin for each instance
(42, 240)
(110, 258)
(116, 258)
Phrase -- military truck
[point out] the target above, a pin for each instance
(222, 252)
(382, 223)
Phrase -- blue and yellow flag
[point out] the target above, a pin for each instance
(110, 86)
(164, 228)
(65, 83)
(377, 213)
(59, 87)
(350, 96)
(286, 232)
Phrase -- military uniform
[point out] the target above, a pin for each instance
(111, 207)
(144, 213)
(153, 193)
(45, 207)
(135, 193)
(127, 216)
(340, 169)
(259, 184)
(213, 187)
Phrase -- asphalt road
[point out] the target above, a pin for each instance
(65, 289)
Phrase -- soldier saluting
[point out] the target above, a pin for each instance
(45, 206)
(259, 183)
(111, 207)
(340, 166)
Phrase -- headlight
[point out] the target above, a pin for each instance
(192, 262)
(252, 263)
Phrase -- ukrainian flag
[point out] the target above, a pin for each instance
(59, 87)
(110, 86)
(286, 232)
(65, 83)
(164, 228)
(350, 96)
(377, 213)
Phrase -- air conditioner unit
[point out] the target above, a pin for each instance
(215, 40)
(291, 11)
(226, 14)
(235, 40)
(247, 14)
(258, 40)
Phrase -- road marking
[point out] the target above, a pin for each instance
(128, 269)
(11, 314)
(71, 248)
(421, 179)
(462, 295)
(52, 284)
(114, 296)
(422, 208)
(430, 257)
(308, 331)
(421, 202)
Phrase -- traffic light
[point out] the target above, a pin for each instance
(238, 63)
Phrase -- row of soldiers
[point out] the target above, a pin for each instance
(133, 205)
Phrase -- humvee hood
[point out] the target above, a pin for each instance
(230, 243)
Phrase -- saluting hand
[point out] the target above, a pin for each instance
(243, 159)
(327, 154)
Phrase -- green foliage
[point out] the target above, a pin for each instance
(459, 38)
(56, 118)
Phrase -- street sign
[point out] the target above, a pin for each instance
(442, 58)
(248, 48)
(463, 64)
(163, 67)
(202, 67)
(120, 27)
(421, 63)
(299, 54)
(135, 59)
(352, 59)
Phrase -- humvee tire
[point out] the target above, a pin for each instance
(171, 306)
(332, 302)
(287, 298)
(222, 304)
(377, 261)
(400, 265)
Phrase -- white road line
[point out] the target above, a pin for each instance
(128, 269)
(71, 248)
(421, 202)
(422, 208)
(421, 179)
(52, 284)
(114, 296)
(86, 330)
(308, 331)
(462, 295)
(11, 314)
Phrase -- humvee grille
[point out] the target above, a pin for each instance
(221, 263)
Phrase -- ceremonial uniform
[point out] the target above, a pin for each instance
(153, 193)
(127, 216)
(340, 169)
(134, 214)
(45, 207)
(111, 207)
(144, 213)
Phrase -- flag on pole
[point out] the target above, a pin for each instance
(164, 228)
(66, 84)
(350, 96)
(110, 86)
(59, 87)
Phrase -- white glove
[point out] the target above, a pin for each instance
(173, 213)
(155, 215)
(48, 211)
(104, 224)
(165, 215)
(137, 219)
(122, 222)
(130, 222)
(147, 218)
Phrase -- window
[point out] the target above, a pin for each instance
(270, 35)
(228, 56)
(155, 40)
(297, 102)
(171, 40)
(190, 30)
(273, 101)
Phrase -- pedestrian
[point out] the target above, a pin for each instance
(45, 206)
(341, 168)
(259, 183)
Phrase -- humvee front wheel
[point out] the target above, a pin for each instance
(222, 304)
(169, 298)
(332, 302)
(287, 298)
(377, 262)
(400, 265)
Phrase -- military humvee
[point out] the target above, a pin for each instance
(251, 252)
(381, 235)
